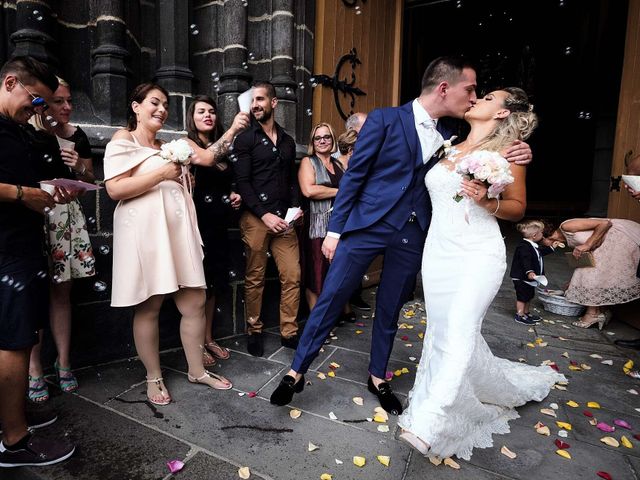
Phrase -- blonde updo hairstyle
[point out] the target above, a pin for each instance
(518, 125)
(38, 121)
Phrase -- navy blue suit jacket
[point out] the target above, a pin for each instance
(381, 170)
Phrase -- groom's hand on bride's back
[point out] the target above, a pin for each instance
(518, 152)
(329, 247)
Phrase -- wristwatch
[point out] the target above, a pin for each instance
(19, 193)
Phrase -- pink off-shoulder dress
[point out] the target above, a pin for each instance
(157, 247)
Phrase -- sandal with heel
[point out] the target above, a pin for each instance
(587, 320)
(38, 390)
(415, 442)
(225, 384)
(166, 398)
(66, 379)
(217, 351)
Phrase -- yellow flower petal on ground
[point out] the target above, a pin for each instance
(625, 442)
(508, 453)
(593, 405)
(531, 345)
(325, 476)
(435, 460)
(403, 326)
(573, 404)
(384, 460)
(548, 411)
(244, 473)
(397, 373)
(564, 453)
(312, 447)
(380, 412)
(627, 366)
(574, 368)
(539, 340)
(331, 374)
(334, 365)
(358, 332)
(359, 461)
(321, 376)
(405, 370)
(564, 425)
(450, 463)
(383, 428)
(421, 335)
(295, 413)
(423, 322)
(612, 442)
(358, 401)
(379, 419)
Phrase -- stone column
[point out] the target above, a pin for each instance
(34, 24)
(173, 71)
(282, 38)
(108, 70)
(234, 78)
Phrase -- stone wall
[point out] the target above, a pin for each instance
(103, 48)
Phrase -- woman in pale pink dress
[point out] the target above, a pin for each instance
(614, 244)
(156, 243)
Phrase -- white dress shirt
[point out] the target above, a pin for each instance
(430, 138)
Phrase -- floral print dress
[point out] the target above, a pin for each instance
(70, 252)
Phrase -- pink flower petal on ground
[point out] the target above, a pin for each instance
(251, 394)
(359, 324)
(621, 423)
(388, 376)
(605, 428)
(175, 465)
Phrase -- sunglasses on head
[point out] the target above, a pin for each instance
(36, 100)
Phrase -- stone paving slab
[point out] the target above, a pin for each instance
(251, 432)
(108, 446)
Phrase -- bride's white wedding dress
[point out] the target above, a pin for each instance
(463, 393)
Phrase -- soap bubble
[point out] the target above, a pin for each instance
(208, 199)
(51, 121)
(47, 158)
(132, 212)
(232, 274)
(19, 286)
(41, 274)
(100, 286)
(226, 200)
(263, 197)
(104, 249)
(365, 278)
(179, 213)
(56, 279)
(309, 112)
(405, 240)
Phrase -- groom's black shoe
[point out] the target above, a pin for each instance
(635, 343)
(284, 392)
(385, 395)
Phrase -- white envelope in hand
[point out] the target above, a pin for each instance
(292, 214)
(538, 280)
(245, 99)
(64, 143)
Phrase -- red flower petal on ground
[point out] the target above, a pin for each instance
(587, 413)
(554, 366)
(404, 338)
(574, 363)
(604, 475)
(637, 436)
(561, 445)
(251, 394)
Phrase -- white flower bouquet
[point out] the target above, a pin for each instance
(488, 167)
(176, 151)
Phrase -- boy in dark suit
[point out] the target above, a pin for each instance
(527, 268)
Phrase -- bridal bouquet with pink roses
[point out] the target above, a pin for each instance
(488, 167)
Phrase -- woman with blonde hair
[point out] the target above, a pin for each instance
(463, 393)
(69, 248)
(318, 176)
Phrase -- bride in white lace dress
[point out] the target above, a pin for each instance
(463, 393)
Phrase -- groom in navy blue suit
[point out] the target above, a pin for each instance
(383, 207)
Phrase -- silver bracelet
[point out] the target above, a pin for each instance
(497, 207)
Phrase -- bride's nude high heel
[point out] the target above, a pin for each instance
(413, 441)
(588, 320)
